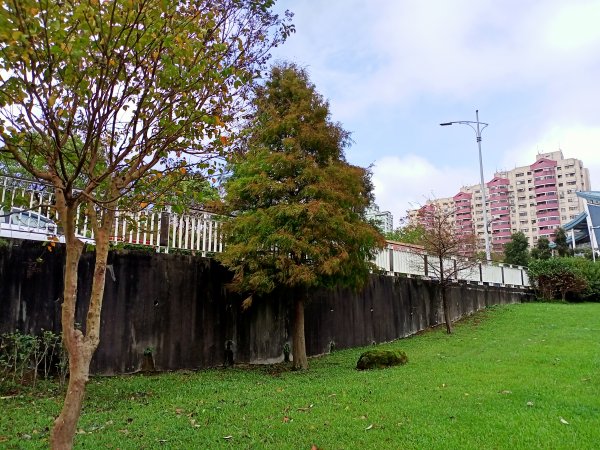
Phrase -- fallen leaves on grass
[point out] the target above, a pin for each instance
(563, 421)
(505, 392)
(369, 427)
(305, 408)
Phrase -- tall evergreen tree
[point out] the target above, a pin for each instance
(297, 205)
(517, 250)
(542, 249)
(560, 239)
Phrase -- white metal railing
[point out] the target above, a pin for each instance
(26, 213)
(25, 207)
(413, 263)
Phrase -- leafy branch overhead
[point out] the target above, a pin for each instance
(117, 103)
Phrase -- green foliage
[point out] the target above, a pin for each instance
(379, 359)
(124, 99)
(560, 239)
(24, 356)
(517, 250)
(542, 249)
(591, 272)
(409, 234)
(559, 276)
(298, 207)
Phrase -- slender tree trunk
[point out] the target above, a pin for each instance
(79, 347)
(445, 307)
(66, 423)
(446, 310)
(298, 339)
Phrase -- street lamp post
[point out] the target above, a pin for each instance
(476, 127)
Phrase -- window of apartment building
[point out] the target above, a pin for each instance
(560, 185)
(563, 217)
(563, 209)
(573, 216)
(559, 176)
(519, 174)
(559, 168)
(528, 173)
(525, 230)
(520, 182)
(523, 214)
(573, 208)
(571, 183)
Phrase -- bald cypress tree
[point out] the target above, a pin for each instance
(297, 206)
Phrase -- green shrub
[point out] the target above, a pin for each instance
(566, 278)
(23, 357)
(379, 359)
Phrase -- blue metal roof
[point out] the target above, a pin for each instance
(581, 218)
(593, 196)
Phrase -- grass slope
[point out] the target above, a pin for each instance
(519, 377)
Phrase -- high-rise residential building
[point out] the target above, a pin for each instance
(383, 219)
(534, 199)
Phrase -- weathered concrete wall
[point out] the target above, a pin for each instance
(179, 307)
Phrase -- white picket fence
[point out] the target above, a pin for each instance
(25, 214)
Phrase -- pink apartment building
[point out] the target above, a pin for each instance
(534, 199)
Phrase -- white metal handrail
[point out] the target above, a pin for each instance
(198, 231)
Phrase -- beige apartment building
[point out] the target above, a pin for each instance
(534, 199)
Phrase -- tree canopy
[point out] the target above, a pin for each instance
(101, 99)
(560, 239)
(447, 251)
(517, 250)
(409, 234)
(542, 249)
(298, 207)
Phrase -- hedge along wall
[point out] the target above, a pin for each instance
(178, 307)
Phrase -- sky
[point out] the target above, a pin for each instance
(393, 70)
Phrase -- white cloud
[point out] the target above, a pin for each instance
(376, 53)
(534, 65)
(576, 141)
(403, 183)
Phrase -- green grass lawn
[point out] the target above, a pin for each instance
(519, 377)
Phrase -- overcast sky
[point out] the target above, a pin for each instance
(392, 70)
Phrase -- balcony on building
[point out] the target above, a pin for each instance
(543, 182)
(550, 205)
(545, 189)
